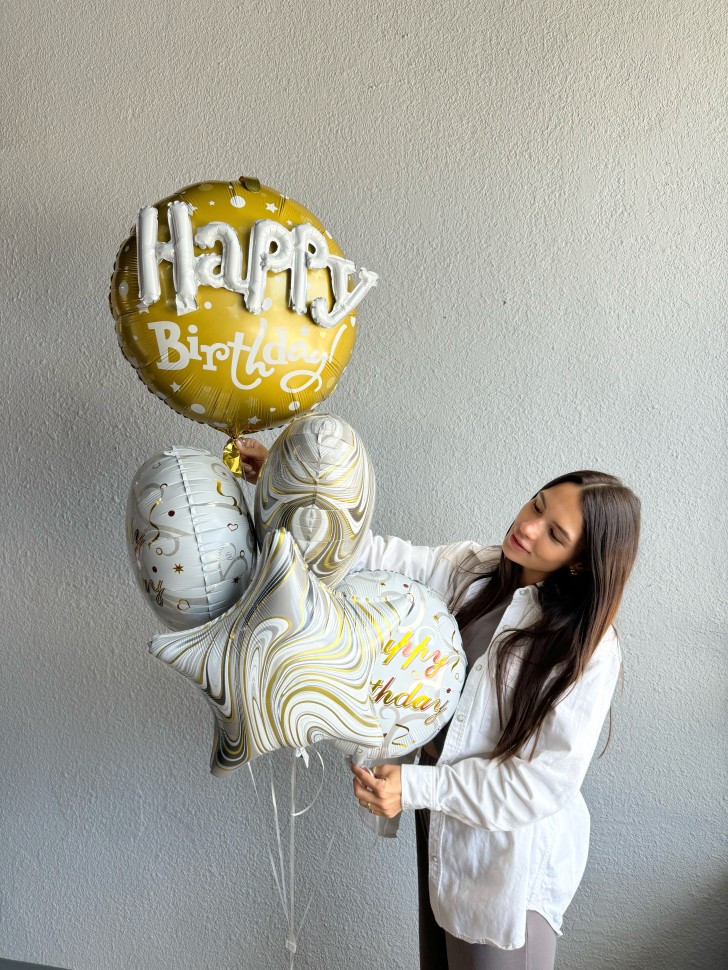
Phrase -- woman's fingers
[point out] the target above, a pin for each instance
(379, 790)
(366, 788)
(375, 793)
(366, 779)
(251, 447)
(367, 798)
(252, 455)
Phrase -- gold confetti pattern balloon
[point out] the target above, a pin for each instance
(293, 663)
(190, 537)
(318, 483)
(235, 305)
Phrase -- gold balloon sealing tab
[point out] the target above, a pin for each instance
(251, 184)
(232, 458)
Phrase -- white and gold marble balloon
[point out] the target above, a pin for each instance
(293, 662)
(286, 666)
(318, 484)
(190, 536)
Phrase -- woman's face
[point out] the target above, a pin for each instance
(547, 533)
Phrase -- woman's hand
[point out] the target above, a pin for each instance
(379, 791)
(252, 456)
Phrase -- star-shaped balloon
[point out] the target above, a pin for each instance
(375, 667)
(289, 664)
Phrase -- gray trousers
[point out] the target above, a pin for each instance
(441, 951)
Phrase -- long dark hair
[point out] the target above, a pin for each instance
(576, 609)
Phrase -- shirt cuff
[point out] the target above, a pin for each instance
(418, 786)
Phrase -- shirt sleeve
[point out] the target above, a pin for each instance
(432, 565)
(501, 797)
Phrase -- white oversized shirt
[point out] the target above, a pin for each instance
(504, 838)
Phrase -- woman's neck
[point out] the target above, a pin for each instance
(529, 577)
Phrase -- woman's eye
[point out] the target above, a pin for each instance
(555, 537)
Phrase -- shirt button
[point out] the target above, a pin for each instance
(478, 666)
(433, 858)
(461, 717)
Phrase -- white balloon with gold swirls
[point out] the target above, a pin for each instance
(190, 536)
(294, 662)
(318, 483)
(287, 665)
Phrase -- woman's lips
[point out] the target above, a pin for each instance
(518, 545)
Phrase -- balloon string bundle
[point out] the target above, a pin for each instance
(287, 890)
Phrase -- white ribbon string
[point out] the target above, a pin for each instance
(291, 939)
(304, 754)
(281, 894)
(276, 820)
(313, 891)
(286, 893)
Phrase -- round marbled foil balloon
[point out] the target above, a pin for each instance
(318, 484)
(190, 536)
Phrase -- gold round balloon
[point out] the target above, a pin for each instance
(234, 305)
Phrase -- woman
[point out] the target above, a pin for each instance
(502, 828)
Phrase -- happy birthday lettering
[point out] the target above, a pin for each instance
(405, 647)
(413, 699)
(250, 362)
(272, 249)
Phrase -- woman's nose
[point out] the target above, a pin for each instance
(529, 527)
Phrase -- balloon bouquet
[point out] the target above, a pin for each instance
(286, 644)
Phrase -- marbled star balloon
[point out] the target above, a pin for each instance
(293, 662)
(190, 537)
(318, 483)
(287, 665)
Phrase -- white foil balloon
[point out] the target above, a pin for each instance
(318, 483)
(190, 536)
(419, 673)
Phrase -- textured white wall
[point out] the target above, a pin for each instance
(542, 188)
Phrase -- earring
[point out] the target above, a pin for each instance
(574, 571)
